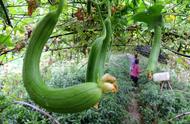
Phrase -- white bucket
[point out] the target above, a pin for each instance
(162, 76)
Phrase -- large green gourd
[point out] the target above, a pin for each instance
(64, 100)
(99, 50)
(154, 54)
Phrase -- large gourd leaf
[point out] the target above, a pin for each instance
(152, 16)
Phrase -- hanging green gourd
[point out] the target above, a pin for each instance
(99, 49)
(93, 67)
(64, 100)
(153, 17)
(107, 41)
(155, 51)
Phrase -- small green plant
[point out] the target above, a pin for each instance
(160, 105)
(16, 114)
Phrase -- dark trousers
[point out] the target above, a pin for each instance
(135, 80)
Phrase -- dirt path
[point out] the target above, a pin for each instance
(133, 109)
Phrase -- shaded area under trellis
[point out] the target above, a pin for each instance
(145, 51)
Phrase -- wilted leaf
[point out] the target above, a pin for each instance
(32, 5)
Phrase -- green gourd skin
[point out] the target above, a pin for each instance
(72, 99)
(94, 58)
(153, 58)
(105, 46)
(64, 100)
(97, 56)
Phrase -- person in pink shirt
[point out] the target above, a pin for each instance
(135, 70)
(132, 60)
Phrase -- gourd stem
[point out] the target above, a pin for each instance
(109, 8)
(60, 7)
(99, 12)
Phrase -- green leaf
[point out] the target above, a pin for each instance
(152, 16)
(141, 7)
(188, 5)
(156, 9)
(2, 14)
(5, 40)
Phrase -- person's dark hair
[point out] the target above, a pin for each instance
(136, 61)
(136, 55)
